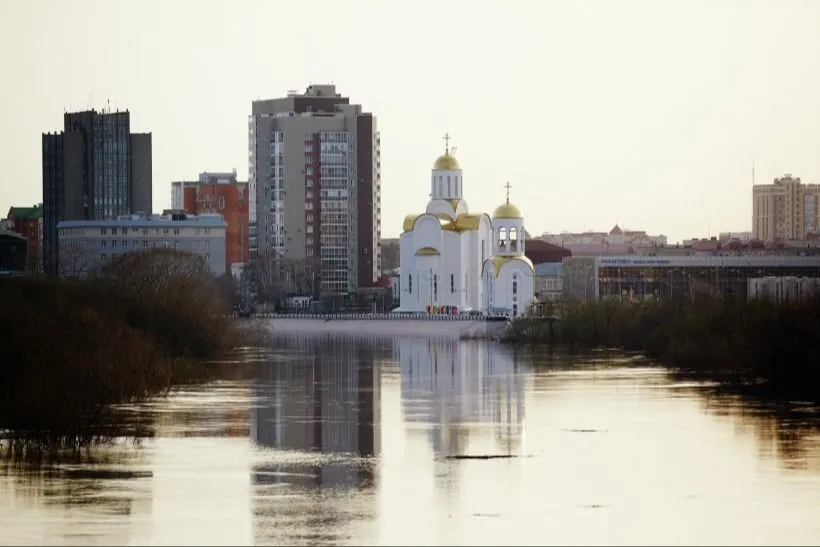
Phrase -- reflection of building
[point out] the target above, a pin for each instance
(457, 387)
(323, 398)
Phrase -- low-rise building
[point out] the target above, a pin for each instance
(784, 289)
(86, 244)
(549, 281)
(28, 222)
(13, 252)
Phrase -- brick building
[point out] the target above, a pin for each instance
(28, 222)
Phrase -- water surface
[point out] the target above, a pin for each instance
(362, 441)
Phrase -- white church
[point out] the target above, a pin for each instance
(453, 261)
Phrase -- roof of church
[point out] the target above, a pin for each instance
(507, 210)
(464, 222)
(446, 162)
(499, 261)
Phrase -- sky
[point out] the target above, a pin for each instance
(646, 113)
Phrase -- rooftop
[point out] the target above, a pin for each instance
(26, 213)
(144, 221)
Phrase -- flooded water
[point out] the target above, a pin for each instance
(361, 441)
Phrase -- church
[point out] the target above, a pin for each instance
(452, 261)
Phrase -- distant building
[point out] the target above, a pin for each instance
(219, 193)
(95, 169)
(13, 249)
(28, 222)
(640, 278)
(314, 171)
(785, 209)
(616, 241)
(86, 244)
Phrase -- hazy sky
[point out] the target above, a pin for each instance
(645, 113)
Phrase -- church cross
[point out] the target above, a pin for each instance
(447, 143)
(508, 186)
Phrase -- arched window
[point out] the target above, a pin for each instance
(452, 283)
(449, 188)
(410, 283)
(502, 238)
(515, 310)
(483, 253)
(435, 286)
(515, 287)
(513, 239)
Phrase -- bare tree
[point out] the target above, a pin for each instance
(74, 261)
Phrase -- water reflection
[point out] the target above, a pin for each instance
(341, 440)
(319, 409)
(460, 390)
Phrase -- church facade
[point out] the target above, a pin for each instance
(453, 261)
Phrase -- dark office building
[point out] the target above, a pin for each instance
(95, 169)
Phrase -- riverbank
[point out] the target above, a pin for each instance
(757, 345)
(77, 348)
(407, 327)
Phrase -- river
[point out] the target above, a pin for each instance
(354, 441)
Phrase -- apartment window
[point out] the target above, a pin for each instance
(207, 244)
(166, 231)
(176, 244)
(176, 230)
(144, 244)
(207, 256)
(309, 241)
(114, 243)
(308, 183)
(309, 194)
(308, 170)
(102, 231)
(309, 251)
(103, 256)
(309, 228)
(309, 217)
(102, 243)
(134, 243)
(308, 159)
(308, 206)
(124, 243)
(309, 147)
(145, 231)
(113, 231)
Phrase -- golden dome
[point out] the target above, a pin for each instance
(446, 162)
(507, 210)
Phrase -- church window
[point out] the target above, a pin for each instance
(449, 188)
(513, 239)
(452, 283)
(410, 283)
(515, 287)
(502, 237)
(483, 253)
(435, 286)
(515, 310)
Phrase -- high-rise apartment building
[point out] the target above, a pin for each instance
(219, 193)
(315, 185)
(95, 169)
(785, 209)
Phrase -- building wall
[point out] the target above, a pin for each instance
(13, 252)
(785, 209)
(784, 289)
(141, 174)
(314, 165)
(232, 202)
(85, 245)
(94, 169)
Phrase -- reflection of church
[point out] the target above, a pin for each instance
(323, 396)
(467, 392)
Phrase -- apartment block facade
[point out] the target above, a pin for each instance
(95, 169)
(219, 193)
(315, 185)
(87, 244)
(787, 209)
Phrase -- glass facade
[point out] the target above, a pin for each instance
(336, 218)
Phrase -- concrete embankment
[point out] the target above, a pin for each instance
(375, 327)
